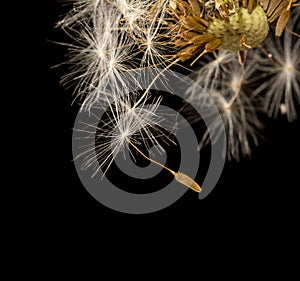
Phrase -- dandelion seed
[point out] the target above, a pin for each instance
(211, 68)
(241, 123)
(178, 176)
(282, 86)
(81, 12)
(139, 125)
(240, 119)
(152, 46)
(107, 54)
(133, 12)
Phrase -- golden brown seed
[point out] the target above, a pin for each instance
(182, 7)
(187, 181)
(195, 7)
(251, 5)
(187, 53)
(191, 24)
(189, 35)
(278, 11)
(273, 4)
(201, 21)
(201, 39)
(281, 22)
(180, 43)
(213, 45)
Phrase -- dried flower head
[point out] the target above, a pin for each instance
(199, 27)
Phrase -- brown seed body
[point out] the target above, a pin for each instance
(187, 181)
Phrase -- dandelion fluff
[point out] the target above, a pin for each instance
(124, 124)
(101, 55)
(281, 87)
(240, 119)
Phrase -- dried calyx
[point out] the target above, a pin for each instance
(201, 26)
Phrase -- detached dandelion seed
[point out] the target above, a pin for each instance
(128, 126)
(178, 176)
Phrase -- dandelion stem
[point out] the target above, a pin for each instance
(180, 177)
(151, 84)
(157, 163)
(215, 54)
(197, 58)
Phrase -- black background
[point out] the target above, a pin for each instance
(261, 191)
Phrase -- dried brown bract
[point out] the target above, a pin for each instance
(199, 26)
(278, 12)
